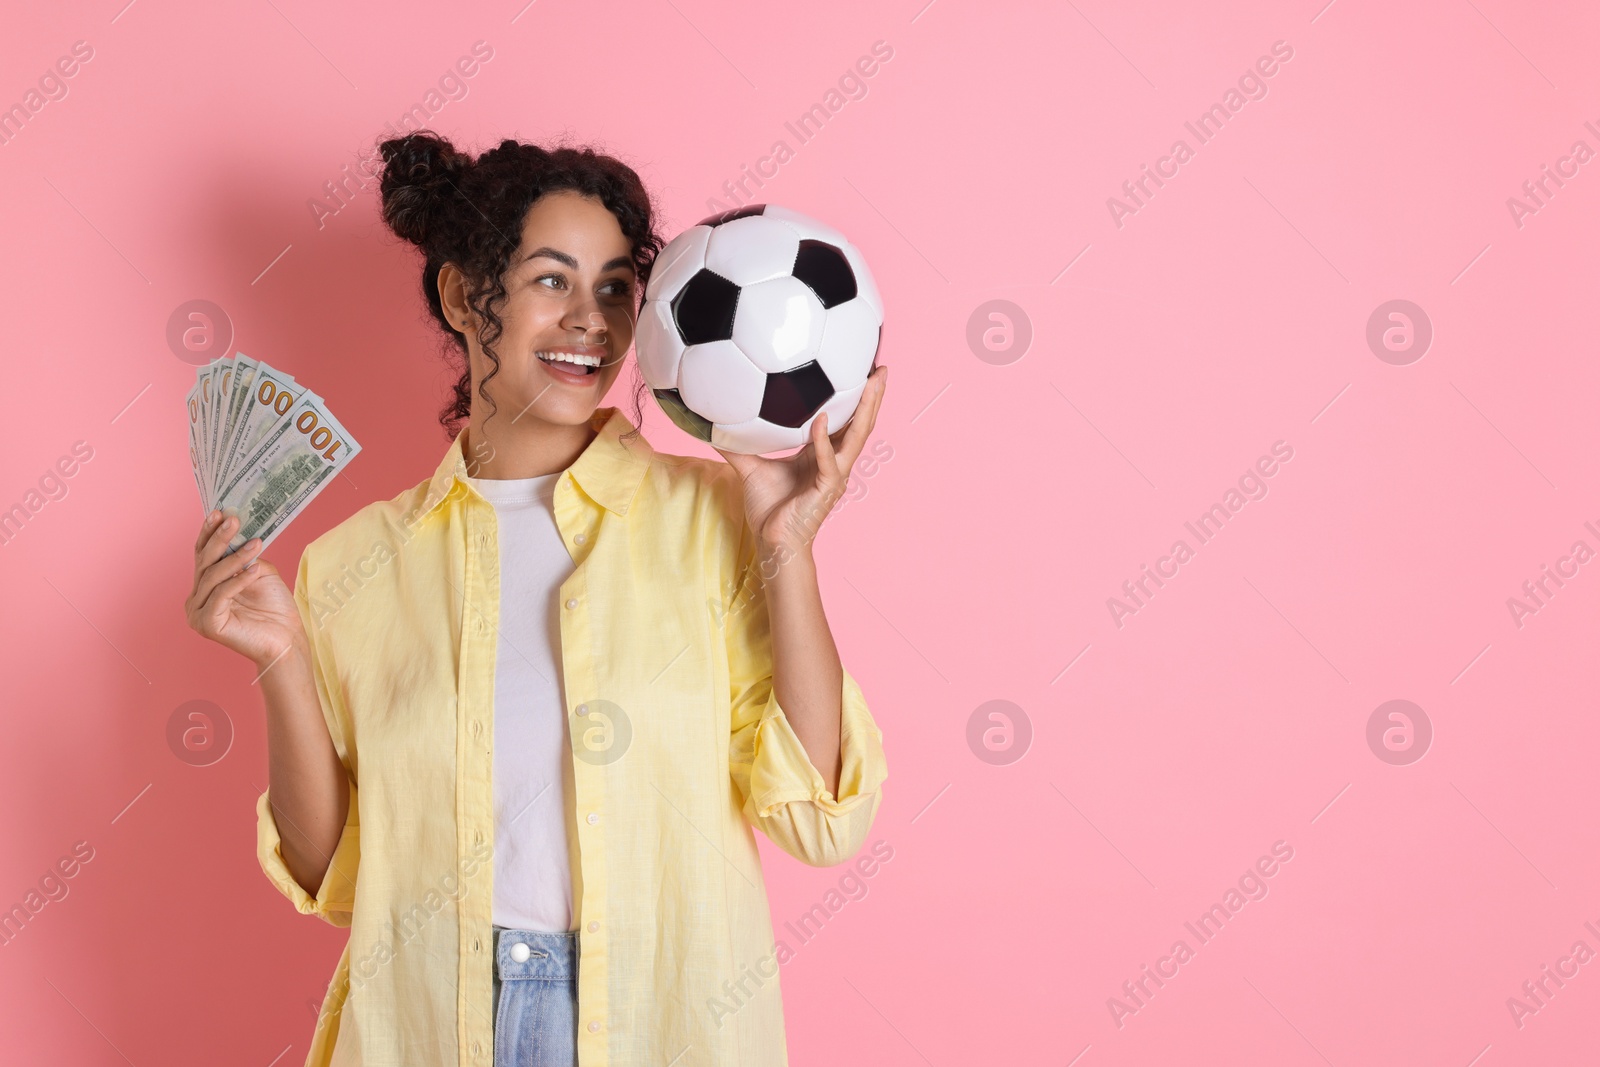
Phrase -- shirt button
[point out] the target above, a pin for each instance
(571, 603)
(583, 709)
(520, 952)
(594, 1028)
(577, 538)
(593, 818)
(592, 928)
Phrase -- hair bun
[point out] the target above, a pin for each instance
(419, 170)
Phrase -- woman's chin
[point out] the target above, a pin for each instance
(565, 407)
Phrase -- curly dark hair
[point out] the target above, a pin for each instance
(470, 212)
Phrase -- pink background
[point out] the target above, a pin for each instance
(1228, 313)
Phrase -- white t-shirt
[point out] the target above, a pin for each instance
(533, 790)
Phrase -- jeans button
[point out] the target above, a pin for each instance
(520, 952)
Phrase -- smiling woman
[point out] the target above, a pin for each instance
(577, 361)
(514, 309)
(599, 667)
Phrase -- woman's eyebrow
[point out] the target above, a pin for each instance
(551, 253)
(562, 257)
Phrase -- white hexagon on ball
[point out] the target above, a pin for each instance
(778, 324)
(752, 249)
(756, 437)
(806, 227)
(684, 255)
(849, 341)
(657, 345)
(720, 384)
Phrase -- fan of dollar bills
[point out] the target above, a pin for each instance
(261, 446)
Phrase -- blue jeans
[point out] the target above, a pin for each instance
(535, 998)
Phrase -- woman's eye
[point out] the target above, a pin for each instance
(556, 278)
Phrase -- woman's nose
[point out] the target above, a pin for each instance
(591, 322)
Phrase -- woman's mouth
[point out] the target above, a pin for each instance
(571, 363)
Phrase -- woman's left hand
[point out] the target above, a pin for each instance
(786, 499)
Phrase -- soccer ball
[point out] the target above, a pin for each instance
(754, 321)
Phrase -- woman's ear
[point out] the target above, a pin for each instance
(453, 298)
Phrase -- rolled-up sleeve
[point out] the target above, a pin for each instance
(336, 897)
(334, 902)
(784, 795)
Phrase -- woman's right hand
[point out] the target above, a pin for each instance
(248, 610)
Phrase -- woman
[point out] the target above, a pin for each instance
(522, 717)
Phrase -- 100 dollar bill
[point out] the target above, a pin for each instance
(192, 406)
(232, 400)
(296, 456)
(265, 398)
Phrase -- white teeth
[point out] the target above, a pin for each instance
(567, 357)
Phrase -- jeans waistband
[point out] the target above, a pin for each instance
(549, 955)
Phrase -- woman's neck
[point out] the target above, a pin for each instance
(527, 450)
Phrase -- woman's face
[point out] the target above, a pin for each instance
(569, 292)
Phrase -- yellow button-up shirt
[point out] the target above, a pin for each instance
(679, 748)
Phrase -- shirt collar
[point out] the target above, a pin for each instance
(609, 470)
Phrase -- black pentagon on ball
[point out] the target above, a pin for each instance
(824, 268)
(703, 309)
(686, 420)
(793, 396)
(729, 216)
